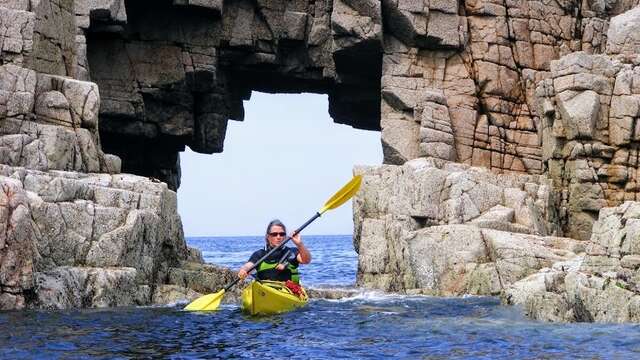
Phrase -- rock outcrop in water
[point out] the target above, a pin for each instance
(600, 285)
(508, 129)
(74, 231)
(587, 107)
(451, 229)
(72, 239)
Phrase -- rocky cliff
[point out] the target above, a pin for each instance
(506, 126)
(454, 80)
(75, 232)
(442, 228)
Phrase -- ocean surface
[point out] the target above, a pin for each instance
(369, 325)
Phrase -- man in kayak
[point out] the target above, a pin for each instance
(281, 265)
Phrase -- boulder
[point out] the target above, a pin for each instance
(173, 294)
(580, 113)
(53, 107)
(84, 240)
(623, 36)
(74, 287)
(17, 235)
(204, 278)
(596, 286)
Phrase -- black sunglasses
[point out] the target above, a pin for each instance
(277, 233)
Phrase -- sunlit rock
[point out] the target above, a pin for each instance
(596, 286)
(504, 126)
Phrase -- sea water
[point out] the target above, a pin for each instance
(368, 325)
(334, 260)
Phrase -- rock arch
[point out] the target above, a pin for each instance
(172, 75)
(453, 80)
(533, 87)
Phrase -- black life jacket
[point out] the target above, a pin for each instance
(267, 269)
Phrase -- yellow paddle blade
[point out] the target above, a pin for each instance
(206, 303)
(343, 194)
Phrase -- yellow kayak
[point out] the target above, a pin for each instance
(270, 297)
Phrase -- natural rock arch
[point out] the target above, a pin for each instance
(171, 75)
(534, 87)
(445, 79)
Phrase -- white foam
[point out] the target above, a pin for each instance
(377, 296)
(180, 304)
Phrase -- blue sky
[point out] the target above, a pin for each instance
(283, 161)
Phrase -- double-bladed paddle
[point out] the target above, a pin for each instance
(212, 301)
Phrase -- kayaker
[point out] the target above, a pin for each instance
(281, 265)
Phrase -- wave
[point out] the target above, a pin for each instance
(367, 295)
(180, 304)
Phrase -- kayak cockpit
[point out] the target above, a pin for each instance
(271, 297)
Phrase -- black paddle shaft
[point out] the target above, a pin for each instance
(317, 215)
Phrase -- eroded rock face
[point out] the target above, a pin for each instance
(474, 82)
(50, 122)
(465, 259)
(87, 240)
(585, 110)
(623, 36)
(93, 240)
(548, 89)
(75, 232)
(601, 285)
(483, 72)
(446, 79)
(591, 104)
(458, 81)
(177, 77)
(75, 287)
(17, 230)
(425, 225)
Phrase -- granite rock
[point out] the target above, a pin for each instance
(595, 286)
(407, 234)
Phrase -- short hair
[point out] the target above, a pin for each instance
(275, 222)
(272, 223)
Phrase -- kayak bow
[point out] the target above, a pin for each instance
(271, 297)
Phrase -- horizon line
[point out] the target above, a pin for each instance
(206, 236)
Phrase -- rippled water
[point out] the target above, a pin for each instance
(369, 325)
(334, 260)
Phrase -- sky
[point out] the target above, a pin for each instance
(284, 161)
